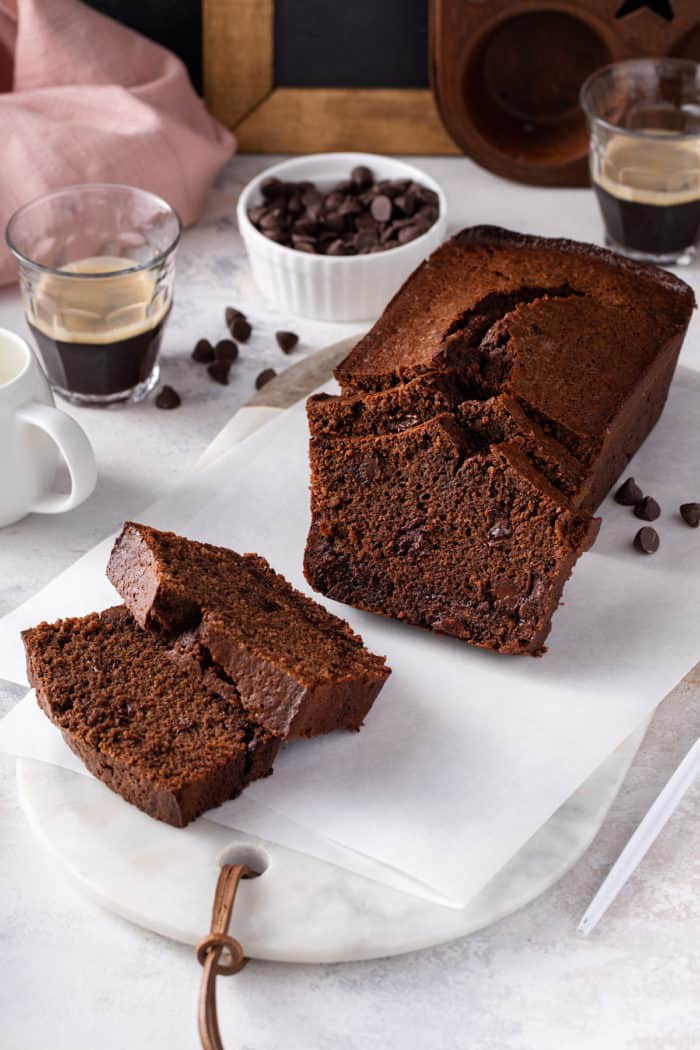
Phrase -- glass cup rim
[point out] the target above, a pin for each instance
(636, 64)
(154, 260)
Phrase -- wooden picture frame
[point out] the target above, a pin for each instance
(240, 91)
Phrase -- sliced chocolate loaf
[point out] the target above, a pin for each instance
(165, 734)
(299, 671)
(583, 339)
(481, 421)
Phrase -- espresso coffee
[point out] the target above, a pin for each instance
(649, 194)
(98, 336)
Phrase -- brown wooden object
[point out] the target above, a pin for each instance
(239, 87)
(507, 73)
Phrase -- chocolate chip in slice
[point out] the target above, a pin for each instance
(286, 341)
(219, 371)
(168, 398)
(203, 352)
(500, 530)
(628, 493)
(226, 350)
(647, 540)
(647, 509)
(690, 512)
(265, 376)
(241, 329)
(381, 208)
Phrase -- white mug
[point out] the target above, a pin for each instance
(32, 434)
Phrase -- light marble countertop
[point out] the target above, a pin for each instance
(77, 977)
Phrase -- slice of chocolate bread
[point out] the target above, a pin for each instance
(482, 420)
(299, 670)
(164, 734)
(466, 540)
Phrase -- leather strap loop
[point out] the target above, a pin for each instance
(211, 948)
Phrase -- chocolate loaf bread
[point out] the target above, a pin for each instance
(481, 421)
(165, 734)
(479, 546)
(299, 671)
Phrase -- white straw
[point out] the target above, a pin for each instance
(647, 832)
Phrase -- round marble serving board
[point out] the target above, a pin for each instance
(300, 909)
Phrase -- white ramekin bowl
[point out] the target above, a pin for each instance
(334, 288)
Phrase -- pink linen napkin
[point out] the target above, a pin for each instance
(84, 99)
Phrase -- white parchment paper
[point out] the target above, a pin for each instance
(465, 753)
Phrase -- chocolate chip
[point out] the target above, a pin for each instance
(203, 352)
(628, 493)
(271, 188)
(409, 233)
(286, 341)
(407, 203)
(365, 241)
(337, 247)
(226, 350)
(361, 176)
(168, 398)
(647, 540)
(219, 371)
(311, 197)
(647, 509)
(381, 208)
(231, 313)
(690, 512)
(500, 530)
(272, 219)
(241, 329)
(333, 201)
(265, 376)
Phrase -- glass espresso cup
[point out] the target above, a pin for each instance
(96, 268)
(644, 126)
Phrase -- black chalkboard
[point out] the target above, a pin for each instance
(318, 43)
(177, 24)
(351, 43)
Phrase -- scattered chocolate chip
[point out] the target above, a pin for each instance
(286, 341)
(300, 216)
(219, 371)
(241, 329)
(647, 509)
(203, 352)
(647, 540)
(231, 313)
(690, 512)
(226, 350)
(168, 398)
(265, 376)
(500, 530)
(628, 493)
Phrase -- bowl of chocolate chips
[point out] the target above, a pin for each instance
(333, 236)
